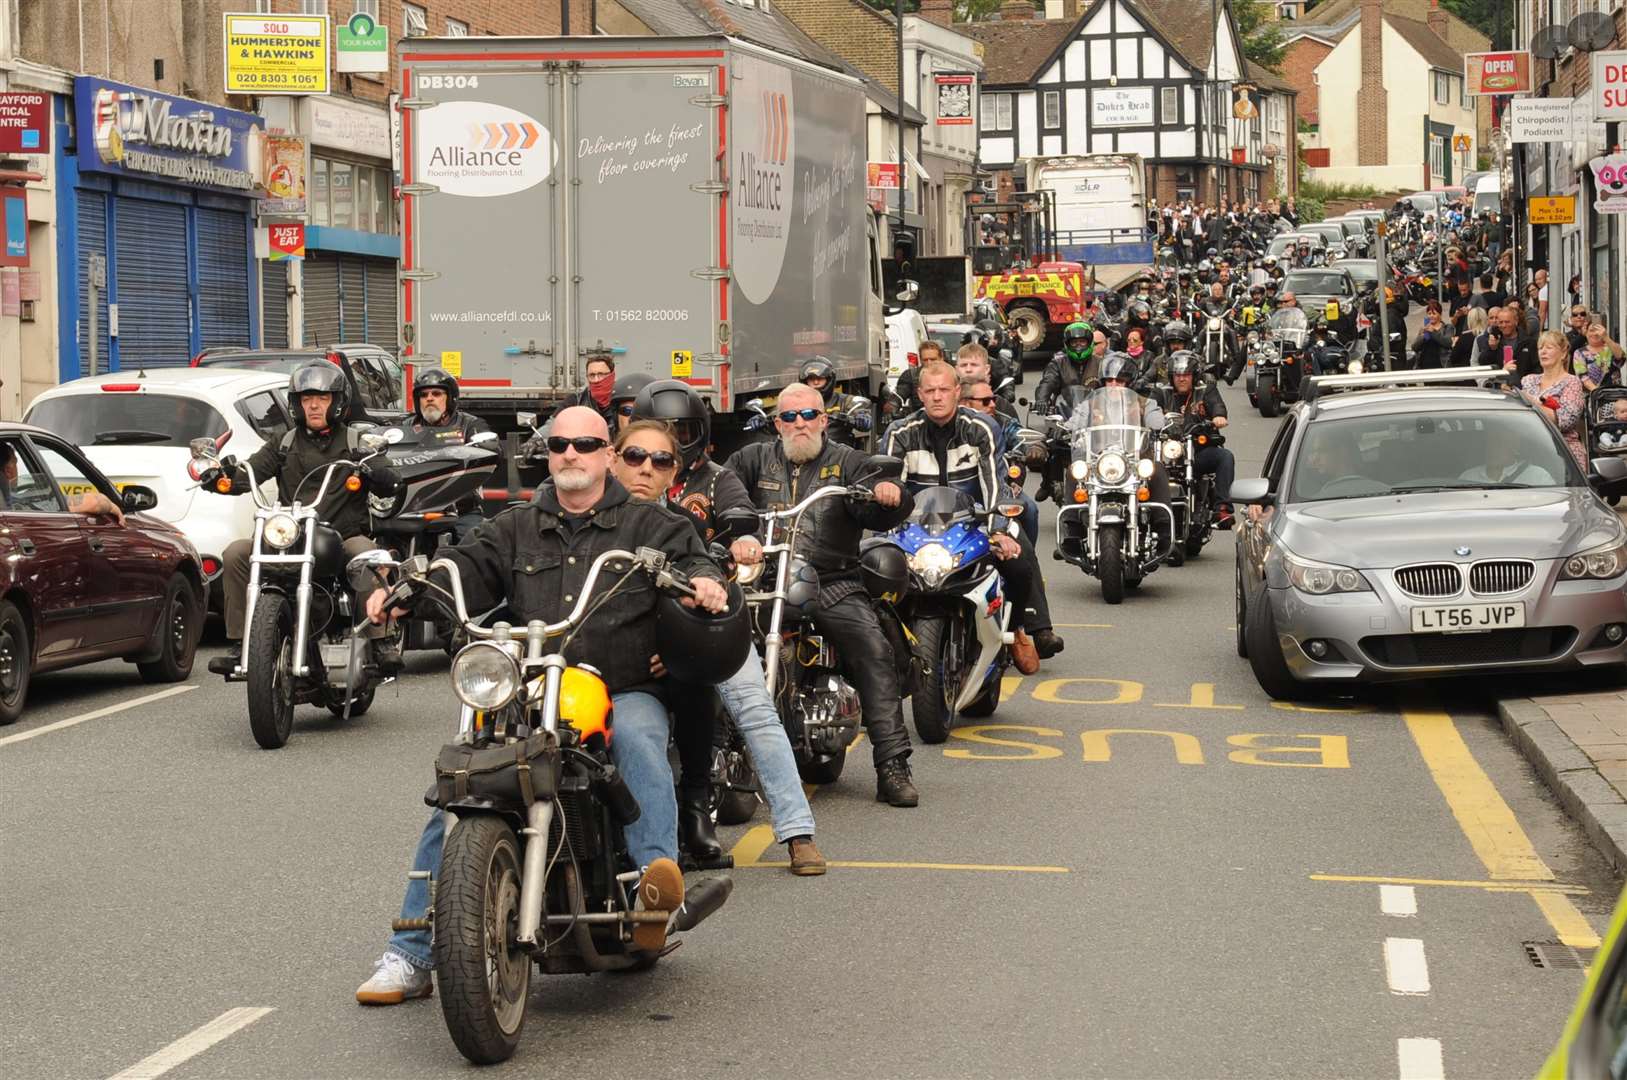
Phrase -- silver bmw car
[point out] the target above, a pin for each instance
(1401, 532)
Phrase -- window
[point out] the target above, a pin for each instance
(351, 196)
(24, 488)
(121, 419)
(414, 20)
(454, 28)
(265, 414)
(313, 7)
(996, 112)
(70, 475)
(342, 194)
(383, 203)
(367, 7)
(364, 199)
(1443, 88)
(1169, 104)
(319, 192)
(1437, 155)
(262, 7)
(1053, 109)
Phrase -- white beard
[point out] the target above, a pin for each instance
(432, 414)
(572, 480)
(799, 450)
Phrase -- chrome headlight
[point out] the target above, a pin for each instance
(1144, 467)
(933, 562)
(1173, 450)
(1599, 564)
(1112, 467)
(484, 676)
(1214, 322)
(748, 573)
(1320, 579)
(1078, 470)
(280, 532)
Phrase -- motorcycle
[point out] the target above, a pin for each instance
(1108, 529)
(1192, 494)
(1216, 350)
(1328, 355)
(305, 638)
(534, 870)
(1275, 362)
(955, 608)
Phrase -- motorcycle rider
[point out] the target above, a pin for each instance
(978, 396)
(945, 446)
(782, 473)
(535, 558)
(850, 414)
(651, 463)
(1119, 370)
(1070, 367)
(1205, 405)
(437, 421)
(319, 396)
(601, 376)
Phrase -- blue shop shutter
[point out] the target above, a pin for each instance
(155, 312)
(223, 278)
(92, 241)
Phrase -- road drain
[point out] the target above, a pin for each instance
(1553, 954)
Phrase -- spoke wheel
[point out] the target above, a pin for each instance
(270, 661)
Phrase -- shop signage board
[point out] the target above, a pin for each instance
(1120, 106)
(282, 177)
(276, 54)
(1609, 90)
(1541, 120)
(286, 242)
(1610, 176)
(954, 98)
(1495, 73)
(361, 45)
(1552, 210)
(129, 131)
(25, 123)
(883, 174)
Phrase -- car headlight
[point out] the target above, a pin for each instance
(484, 676)
(933, 562)
(1320, 579)
(1598, 564)
(1078, 470)
(280, 532)
(1112, 467)
(748, 573)
(1173, 450)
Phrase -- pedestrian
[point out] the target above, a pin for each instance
(1434, 341)
(1465, 344)
(1509, 341)
(1600, 360)
(1557, 394)
(1574, 289)
(1576, 332)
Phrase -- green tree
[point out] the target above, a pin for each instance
(1494, 18)
(965, 10)
(1262, 35)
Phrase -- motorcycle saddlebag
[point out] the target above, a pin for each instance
(519, 773)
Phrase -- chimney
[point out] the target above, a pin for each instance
(1437, 19)
(1016, 10)
(1372, 129)
(1061, 10)
(941, 12)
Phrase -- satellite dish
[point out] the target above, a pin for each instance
(1550, 43)
(1591, 31)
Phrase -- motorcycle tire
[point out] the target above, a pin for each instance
(733, 805)
(358, 705)
(270, 662)
(933, 706)
(985, 703)
(483, 984)
(1110, 563)
(1192, 546)
(1269, 406)
(820, 770)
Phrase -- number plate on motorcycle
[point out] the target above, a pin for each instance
(1467, 618)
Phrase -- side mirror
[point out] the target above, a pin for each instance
(908, 290)
(886, 468)
(526, 419)
(366, 571)
(373, 442)
(137, 498)
(735, 523)
(1255, 491)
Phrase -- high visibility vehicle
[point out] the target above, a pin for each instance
(1015, 265)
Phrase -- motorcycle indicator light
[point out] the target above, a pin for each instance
(1203, 440)
(353, 482)
(1079, 495)
(224, 485)
(1143, 494)
(1015, 472)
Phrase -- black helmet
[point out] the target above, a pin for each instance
(627, 389)
(1177, 330)
(885, 570)
(678, 404)
(319, 377)
(818, 367)
(434, 379)
(1140, 313)
(1183, 362)
(700, 648)
(1118, 365)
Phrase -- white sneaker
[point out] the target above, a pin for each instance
(395, 980)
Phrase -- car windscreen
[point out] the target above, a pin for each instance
(1368, 456)
(1328, 231)
(1362, 273)
(115, 418)
(1316, 283)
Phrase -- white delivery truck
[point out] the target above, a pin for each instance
(1101, 206)
(691, 207)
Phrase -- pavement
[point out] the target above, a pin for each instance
(1139, 867)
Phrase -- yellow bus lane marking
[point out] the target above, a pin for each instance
(1490, 825)
(1489, 886)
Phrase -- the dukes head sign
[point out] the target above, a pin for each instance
(134, 132)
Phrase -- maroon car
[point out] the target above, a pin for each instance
(77, 587)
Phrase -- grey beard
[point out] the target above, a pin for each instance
(572, 480)
(801, 454)
(433, 415)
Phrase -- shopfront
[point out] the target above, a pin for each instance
(155, 208)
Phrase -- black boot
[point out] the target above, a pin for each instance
(894, 785)
(696, 833)
(225, 664)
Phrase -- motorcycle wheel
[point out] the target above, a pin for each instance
(1110, 563)
(1268, 406)
(989, 700)
(820, 770)
(933, 704)
(736, 807)
(482, 981)
(270, 662)
(358, 705)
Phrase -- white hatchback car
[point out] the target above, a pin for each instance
(136, 429)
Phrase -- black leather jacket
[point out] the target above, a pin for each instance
(832, 527)
(529, 558)
(1062, 373)
(298, 455)
(709, 490)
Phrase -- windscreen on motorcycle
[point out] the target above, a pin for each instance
(1069, 401)
(937, 508)
(1287, 325)
(1110, 420)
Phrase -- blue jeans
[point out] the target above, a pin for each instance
(639, 747)
(746, 698)
(1030, 519)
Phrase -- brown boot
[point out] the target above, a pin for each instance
(805, 858)
(1023, 653)
(662, 889)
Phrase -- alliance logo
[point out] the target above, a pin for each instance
(481, 149)
(764, 176)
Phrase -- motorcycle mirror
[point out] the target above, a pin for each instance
(526, 419)
(203, 448)
(1008, 381)
(886, 468)
(735, 523)
(373, 442)
(367, 569)
(483, 437)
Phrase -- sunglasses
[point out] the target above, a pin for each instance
(637, 455)
(790, 416)
(582, 444)
(625, 410)
(979, 400)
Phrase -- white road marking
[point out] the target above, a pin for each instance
(96, 715)
(1405, 967)
(1420, 1059)
(1399, 900)
(190, 1046)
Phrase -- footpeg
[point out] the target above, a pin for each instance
(403, 925)
(689, 862)
(700, 901)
